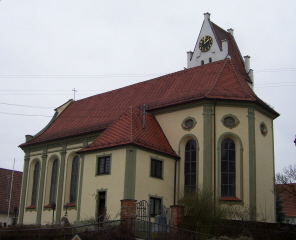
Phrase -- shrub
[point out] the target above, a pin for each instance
(201, 211)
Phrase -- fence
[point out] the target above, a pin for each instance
(257, 231)
(149, 230)
(103, 230)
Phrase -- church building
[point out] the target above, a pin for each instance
(199, 128)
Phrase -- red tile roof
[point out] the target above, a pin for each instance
(133, 127)
(233, 50)
(287, 196)
(217, 80)
(5, 181)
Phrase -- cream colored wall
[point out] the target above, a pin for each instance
(147, 185)
(178, 137)
(46, 216)
(171, 125)
(112, 183)
(30, 217)
(241, 130)
(67, 178)
(264, 170)
(50, 159)
(3, 219)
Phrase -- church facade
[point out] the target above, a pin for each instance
(199, 128)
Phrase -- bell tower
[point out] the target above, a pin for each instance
(214, 44)
(208, 48)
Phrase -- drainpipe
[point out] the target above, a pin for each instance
(215, 179)
(175, 181)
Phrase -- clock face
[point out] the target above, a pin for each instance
(205, 43)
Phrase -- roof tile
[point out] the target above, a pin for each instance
(5, 184)
(218, 80)
(133, 127)
(288, 198)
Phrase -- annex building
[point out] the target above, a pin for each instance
(202, 127)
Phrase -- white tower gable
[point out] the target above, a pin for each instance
(215, 53)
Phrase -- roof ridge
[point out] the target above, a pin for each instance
(239, 80)
(218, 77)
(131, 112)
(213, 25)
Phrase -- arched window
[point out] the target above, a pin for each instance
(202, 62)
(228, 168)
(190, 166)
(35, 184)
(74, 179)
(54, 179)
(210, 60)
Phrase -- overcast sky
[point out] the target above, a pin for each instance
(50, 47)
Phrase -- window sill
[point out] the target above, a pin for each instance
(161, 178)
(70, 205)
(232, 199)
(48, 206)
(102, 174)
(31, 207)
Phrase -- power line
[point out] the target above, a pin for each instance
(107, 75)
(18, 105)
(96, 92)
(275, 70)
(82, 76)
(29, 115)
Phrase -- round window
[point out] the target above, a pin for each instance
(230, 121)
(263, 128)
(188, 123)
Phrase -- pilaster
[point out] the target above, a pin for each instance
(24, 188)
(80, 187)
(252, 163)
(207, 147)
(41, 186)
(130, 174)
(61, 185)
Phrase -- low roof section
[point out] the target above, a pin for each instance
(133, 127)
(287, 194)
(8, 177)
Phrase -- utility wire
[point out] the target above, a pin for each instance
(276, 70)
(29, 115)
(119, 74)
(82, 76)
(11, 104)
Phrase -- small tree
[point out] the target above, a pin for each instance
(287, 181)
(201, 210)
(280, 215)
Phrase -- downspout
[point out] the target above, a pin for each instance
(175, 181)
